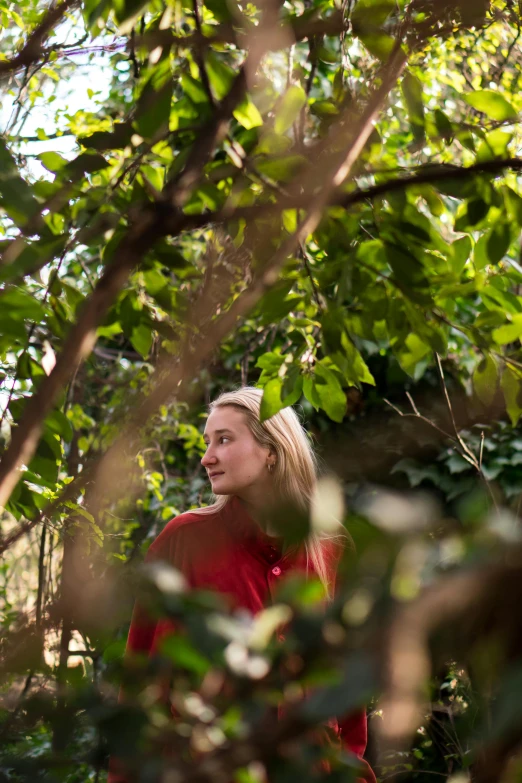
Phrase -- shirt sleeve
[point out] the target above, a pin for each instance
(353, 731)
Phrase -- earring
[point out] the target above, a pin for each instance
(270, 468)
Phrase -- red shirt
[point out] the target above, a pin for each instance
(228, 552)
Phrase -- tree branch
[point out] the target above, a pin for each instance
(443, 173)
(33, 49)
(150, 224)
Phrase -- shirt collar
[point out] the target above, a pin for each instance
(247, 528)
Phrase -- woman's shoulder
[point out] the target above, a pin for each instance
(334, 546)
(185, 526)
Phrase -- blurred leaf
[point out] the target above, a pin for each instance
(510, 332)
(16, 197)
(288, 108)
(221, 75)
(461, 250)
(498, 242)
(271, 402)
(443, 125)
(355, 685)
(511, 383)
(153, 107)
(412, 92)
(491, 103)
(21, 305)
(485, 380)
(329, 392)
(118, 138)
(180, 650)
(247, 114)
(141, 339)
(52, 161)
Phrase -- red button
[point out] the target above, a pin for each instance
(276, 570)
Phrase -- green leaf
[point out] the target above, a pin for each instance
(181, 651)
(220, 10)
(412, 92)
(126, 12)
(412, 354)
(85, 163)
(310, 391)
(443, 125)
(271, 402)
(351, 363)
(52, 161)
(292, 386)
(332, 326)
(407, 269)
(283, 168)
(58, 423)
(95, 14)
(491, 103)
(498, 242)
(324, 108)
(277, 302)
(247, 114)
(141, 339)
(476, 211)
(380, 45)
(494, 145)
(288, 109)
(511, 383)
(220, 75)
(510, 332)
(330, 393)
(367, 18)
(461, 251)
(193, 88)
(21, 305)
(16, 196)
(369, 14)
(153, 107)
(118, 138)
(32, 256)
(485, 380)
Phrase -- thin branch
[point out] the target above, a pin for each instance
(458, 436)
(33, 49)
(306, 262)
(444, 173)
(429, 422)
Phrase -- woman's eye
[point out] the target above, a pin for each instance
(223, 437)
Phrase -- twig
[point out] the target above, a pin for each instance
(338, 198)
(33, 48)
(429, 422)
(463, 445)
(315, 291)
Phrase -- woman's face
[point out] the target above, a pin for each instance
(235, 462)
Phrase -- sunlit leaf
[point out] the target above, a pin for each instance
(491, 103)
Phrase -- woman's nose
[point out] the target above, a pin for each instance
(208, 458)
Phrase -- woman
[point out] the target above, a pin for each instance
(230, 546)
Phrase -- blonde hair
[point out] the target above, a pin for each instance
(295, 471)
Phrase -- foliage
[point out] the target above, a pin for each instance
(322, 201)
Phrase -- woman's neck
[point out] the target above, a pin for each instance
(260, 513)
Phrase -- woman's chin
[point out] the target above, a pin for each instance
(220, 487)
